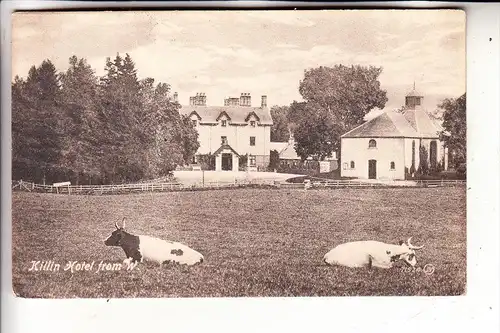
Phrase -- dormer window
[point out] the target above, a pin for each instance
(223, 123)
(252, 123)
(372, 144)
(195, 122)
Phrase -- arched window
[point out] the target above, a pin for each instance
(372, 144)
(393, 165)
(352, 165)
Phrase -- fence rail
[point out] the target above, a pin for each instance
(173, 186)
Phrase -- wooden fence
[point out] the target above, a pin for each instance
(173, 186)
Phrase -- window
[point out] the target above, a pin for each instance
(252, 141)
(252, 123)
(252, 160)
(345, 166)
(223, 140)
(194, 160)
(372, 144)
(352, 165)
(393, 166)
(194, 122)
(223, 123)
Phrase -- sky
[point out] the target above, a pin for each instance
(226, 53)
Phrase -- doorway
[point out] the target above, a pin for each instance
(227, 162)
(372, 169)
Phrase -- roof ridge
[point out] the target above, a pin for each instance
(390, 114)
(366, 122)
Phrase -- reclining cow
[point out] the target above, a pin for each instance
(140, 248)
(372, 254)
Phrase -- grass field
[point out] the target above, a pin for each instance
(255, 242)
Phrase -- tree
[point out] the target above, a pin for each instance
(316, 135)
(115, 128)
(346, 93)
(423, 168)
(174, 138)
(279, 131)
(122, 112)
(274, 160)
(339, 95)
(36, 128)
(82, 128)
(455, 128)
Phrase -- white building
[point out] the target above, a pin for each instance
(231, 131)
(387, 146)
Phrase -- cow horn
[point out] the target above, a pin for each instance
(123, 223)
(116, 225)
(413, 247)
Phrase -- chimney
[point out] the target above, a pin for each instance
(263, 102)
(245, 99)
(203, 99)
(176, 97)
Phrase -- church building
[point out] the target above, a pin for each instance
(388, 146)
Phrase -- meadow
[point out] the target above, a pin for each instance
(256, 242)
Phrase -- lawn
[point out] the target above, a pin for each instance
(256, 242)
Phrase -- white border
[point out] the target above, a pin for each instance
(478, 310)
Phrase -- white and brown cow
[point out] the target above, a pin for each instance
(372, 254)
(145, 248)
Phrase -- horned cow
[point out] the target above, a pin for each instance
(372, 254)
(139, 248)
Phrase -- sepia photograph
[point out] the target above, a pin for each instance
(256, 153)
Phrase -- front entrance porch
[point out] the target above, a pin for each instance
(226, 159)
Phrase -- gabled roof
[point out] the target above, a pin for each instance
(250, 115)
(289, 152)
(411, 123)
(236, 114)
(223, 113)
(278, 146)
(225, 146)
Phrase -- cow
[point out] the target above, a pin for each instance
(140, 248)
(372, 254)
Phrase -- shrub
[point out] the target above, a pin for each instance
(207, 161)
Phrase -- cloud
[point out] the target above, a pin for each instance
(265, 52)
(286, 46)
